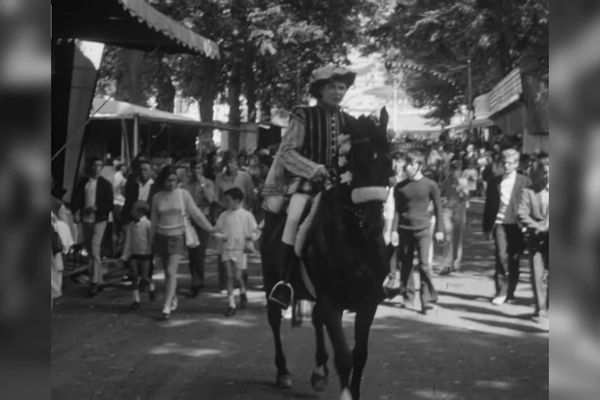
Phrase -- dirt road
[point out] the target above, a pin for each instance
(466, 348)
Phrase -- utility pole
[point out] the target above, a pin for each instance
(395, 109)
(469, 95)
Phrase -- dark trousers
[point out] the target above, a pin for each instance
(222, 273)
(509, 243)
(408, 242)
(197, 257)
(538, 246)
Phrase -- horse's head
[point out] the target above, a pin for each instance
(370, 168)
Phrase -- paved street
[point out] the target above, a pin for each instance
(465, 348)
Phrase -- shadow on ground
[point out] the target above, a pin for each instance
(465, 349)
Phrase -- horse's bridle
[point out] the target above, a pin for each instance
(356, 210)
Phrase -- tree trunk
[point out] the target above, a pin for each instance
(265, 111)
(208, 90)
(129, 82)
(250, 87)
(208, 95)
(205, 105)
(234, 91)
(165, 98)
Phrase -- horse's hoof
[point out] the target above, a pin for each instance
(319, 382)
(284, 381)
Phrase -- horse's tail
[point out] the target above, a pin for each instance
(301, 309)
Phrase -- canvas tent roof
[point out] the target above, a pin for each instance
(113, 109)
(107, 109)
(126, 23)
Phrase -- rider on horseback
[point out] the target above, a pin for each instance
(307, 158)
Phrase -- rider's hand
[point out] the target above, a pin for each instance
(89, 210)
(320, 174)
(487, 235)
(439, 236)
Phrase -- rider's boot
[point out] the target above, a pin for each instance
(283, 293)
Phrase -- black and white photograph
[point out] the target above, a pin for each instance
(310, 199)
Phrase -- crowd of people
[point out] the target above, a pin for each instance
(164, 213)
(429, 200)
(147, 207)
(150, 209)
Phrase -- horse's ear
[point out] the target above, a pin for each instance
(384, 117)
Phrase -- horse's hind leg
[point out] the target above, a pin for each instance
(362, 326)
(284, 379)
(343, 357)
(319, 376)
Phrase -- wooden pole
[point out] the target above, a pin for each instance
(136, 135)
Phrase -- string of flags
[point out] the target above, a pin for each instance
(438, 75)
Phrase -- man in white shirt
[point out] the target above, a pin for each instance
(500, 221)
(118, 182)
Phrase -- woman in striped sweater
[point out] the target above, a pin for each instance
(168, 242)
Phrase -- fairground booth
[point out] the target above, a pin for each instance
(79, 31)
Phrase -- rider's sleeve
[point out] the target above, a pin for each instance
(291, 144)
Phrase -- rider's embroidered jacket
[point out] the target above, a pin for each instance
(311, 140)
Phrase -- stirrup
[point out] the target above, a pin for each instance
(278, 301)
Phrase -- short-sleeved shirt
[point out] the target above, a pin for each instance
(237, 225)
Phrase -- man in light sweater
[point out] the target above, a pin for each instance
(500, 220)
(411, 225)
(534, 217)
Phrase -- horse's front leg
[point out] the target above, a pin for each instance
(319, 376)
(283, 379)
(362, 327)
(332, 316)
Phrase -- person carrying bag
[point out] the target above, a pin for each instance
(191, 237)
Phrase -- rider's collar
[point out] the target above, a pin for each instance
(328, 107)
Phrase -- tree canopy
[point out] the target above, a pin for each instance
(439, 37)
(268, 49)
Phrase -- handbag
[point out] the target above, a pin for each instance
(391, 285)
(191, 237)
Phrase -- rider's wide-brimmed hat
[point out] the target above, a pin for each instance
(328, 73)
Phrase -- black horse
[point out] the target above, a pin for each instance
(345, 258)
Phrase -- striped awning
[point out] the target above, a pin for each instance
(126, 23)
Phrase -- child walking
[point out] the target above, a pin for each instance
(237, 228)
(138, 252)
